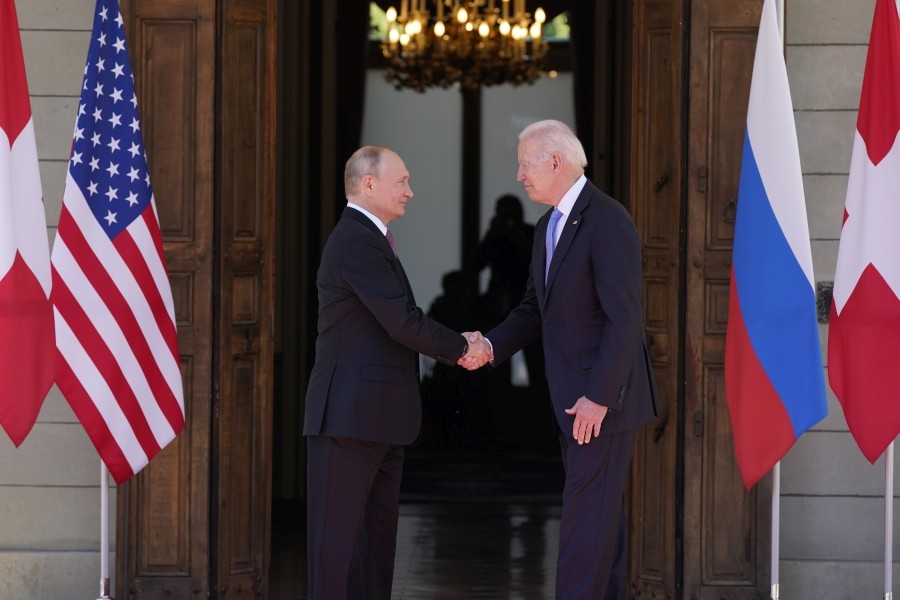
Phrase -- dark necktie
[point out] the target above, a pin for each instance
(551, 239)
(390, 239)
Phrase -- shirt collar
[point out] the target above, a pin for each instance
(381, 226)
(568, 200)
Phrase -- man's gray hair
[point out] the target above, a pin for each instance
(555, 136)
(365, 161)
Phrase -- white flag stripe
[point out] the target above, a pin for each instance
(873, 220)
(777, 156)
(144, 241)
(108, 329)
(120, 273)
(7, 219)
(29, 212)
(102, 397)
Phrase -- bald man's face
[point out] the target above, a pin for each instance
(388, 194)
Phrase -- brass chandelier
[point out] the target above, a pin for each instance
(474, 43)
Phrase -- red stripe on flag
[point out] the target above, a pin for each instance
(762, 427)
(92, 421)
(15, 109)
(105, 362)
(125, 319)
(137, 264)
(863, 347)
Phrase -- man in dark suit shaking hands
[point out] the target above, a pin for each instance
(362, 402)
(584, 295)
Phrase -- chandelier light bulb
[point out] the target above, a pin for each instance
(414, 27)
(424, 49)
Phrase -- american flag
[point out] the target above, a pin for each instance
(117, 350)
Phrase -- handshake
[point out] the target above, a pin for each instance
(480, 351)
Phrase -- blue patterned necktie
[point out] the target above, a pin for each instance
(551, 239)
(390, 239)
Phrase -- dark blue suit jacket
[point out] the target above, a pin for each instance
(589, 313)
(365, 382)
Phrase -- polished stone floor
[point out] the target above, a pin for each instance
(467, 530)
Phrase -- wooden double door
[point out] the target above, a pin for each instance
(197, 521)
(696, 533)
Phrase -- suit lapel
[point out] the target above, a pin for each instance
(570, 229)
(354, 214)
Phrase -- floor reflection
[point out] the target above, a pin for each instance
(452, 550)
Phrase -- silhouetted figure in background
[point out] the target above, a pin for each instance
(506, 249)
(456, 415)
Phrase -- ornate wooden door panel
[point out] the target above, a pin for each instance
(245, 312)
(726, 536)
(656, 184)
(163, 527)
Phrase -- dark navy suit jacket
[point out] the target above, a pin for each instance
(365, 382)
(590, 315)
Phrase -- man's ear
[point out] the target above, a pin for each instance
(556, 162)
(368, 184)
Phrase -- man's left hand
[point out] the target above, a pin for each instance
(588, 418)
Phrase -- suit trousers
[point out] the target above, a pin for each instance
(592, 560)
(353, 504)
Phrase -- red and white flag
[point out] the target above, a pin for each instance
(117, 348)
(26, 317)
(864, 331)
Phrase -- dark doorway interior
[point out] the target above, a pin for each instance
(487, 463)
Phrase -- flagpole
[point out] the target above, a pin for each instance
(888, 519)
(776, 525)
(776, 470)
(104, 532)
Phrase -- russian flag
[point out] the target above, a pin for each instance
(774, 379)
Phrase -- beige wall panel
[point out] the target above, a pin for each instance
(825, 199)
(53, 183)
(54, 121)
(56, 14)
(826, 140)
(826, 77)
(839, 580)
(49, 575)
(824, 258)
(54, 62)
(833, 528)
(53, 454)
(828, 21)
(829, 463)
(61, 519)
(56, 409)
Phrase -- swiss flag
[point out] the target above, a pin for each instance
(864, 332)
(27, 344)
